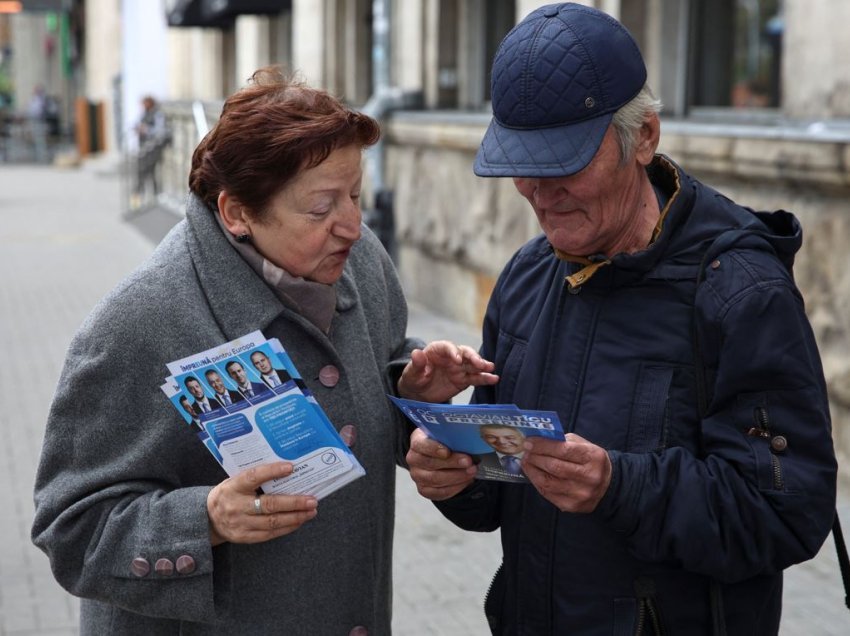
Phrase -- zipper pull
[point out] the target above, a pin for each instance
(761, 428)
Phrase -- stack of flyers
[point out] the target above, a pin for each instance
(493, 434)
(250, 406)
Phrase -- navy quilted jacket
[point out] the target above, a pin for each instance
(706, 505)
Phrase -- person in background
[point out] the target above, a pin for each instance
(152, 135)
(136, 516)
(661, 321)
(37, 111)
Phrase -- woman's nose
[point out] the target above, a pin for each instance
(348, 225)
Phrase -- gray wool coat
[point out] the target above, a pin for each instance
(122, 476)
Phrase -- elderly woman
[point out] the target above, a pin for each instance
(133, 511)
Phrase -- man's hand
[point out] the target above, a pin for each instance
(437, 472)
(236, 517)
(574, 474)
(442, 370)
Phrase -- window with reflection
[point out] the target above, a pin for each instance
(736, 51)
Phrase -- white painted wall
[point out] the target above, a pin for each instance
(307, 40)
(144, 56)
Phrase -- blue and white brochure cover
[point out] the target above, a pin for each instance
(246, 401)
(492, 434)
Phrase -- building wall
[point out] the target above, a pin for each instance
(815, 69)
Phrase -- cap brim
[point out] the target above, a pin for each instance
(555, 151)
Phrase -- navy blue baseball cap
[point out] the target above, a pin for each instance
(558, 77)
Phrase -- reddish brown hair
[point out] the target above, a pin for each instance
(267, 133)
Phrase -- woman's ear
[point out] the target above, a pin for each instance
(233, 215)
(648, 138)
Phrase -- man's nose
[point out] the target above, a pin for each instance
(547, 192)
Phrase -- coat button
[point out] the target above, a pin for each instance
(164, 567)
(715, 264)
(140, 567)
(348, 433)
(358, 631)
(779, 443)
(329, 376)
(185, 564)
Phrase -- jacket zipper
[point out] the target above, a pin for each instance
(762, 429)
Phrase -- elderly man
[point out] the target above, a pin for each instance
(661, 321)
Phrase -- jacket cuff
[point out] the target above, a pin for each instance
(619, 506)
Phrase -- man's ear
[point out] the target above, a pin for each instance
(233, 215)
(648, 138)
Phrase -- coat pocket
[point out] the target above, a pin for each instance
(511, 354)
(648, 421)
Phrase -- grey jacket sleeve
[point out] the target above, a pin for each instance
(113, 494)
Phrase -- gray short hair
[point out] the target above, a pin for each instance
(630, 117)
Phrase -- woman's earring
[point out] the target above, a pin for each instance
(242, 238)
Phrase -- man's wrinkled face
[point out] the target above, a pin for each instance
(592, 211)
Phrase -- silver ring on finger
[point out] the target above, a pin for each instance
(258, 506)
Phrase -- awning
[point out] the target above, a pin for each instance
(191, 13)
(43, 5)
(219, 9)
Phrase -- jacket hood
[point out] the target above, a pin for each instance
(702, 223)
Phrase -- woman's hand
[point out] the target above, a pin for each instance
(437, 472)
(442, 370)
(236, 517)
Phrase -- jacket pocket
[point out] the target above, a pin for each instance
(648, 421)
(510, 356)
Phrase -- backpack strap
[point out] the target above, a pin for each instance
(843, 560)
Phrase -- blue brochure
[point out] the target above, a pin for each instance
(250, 406)
(491, 433)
